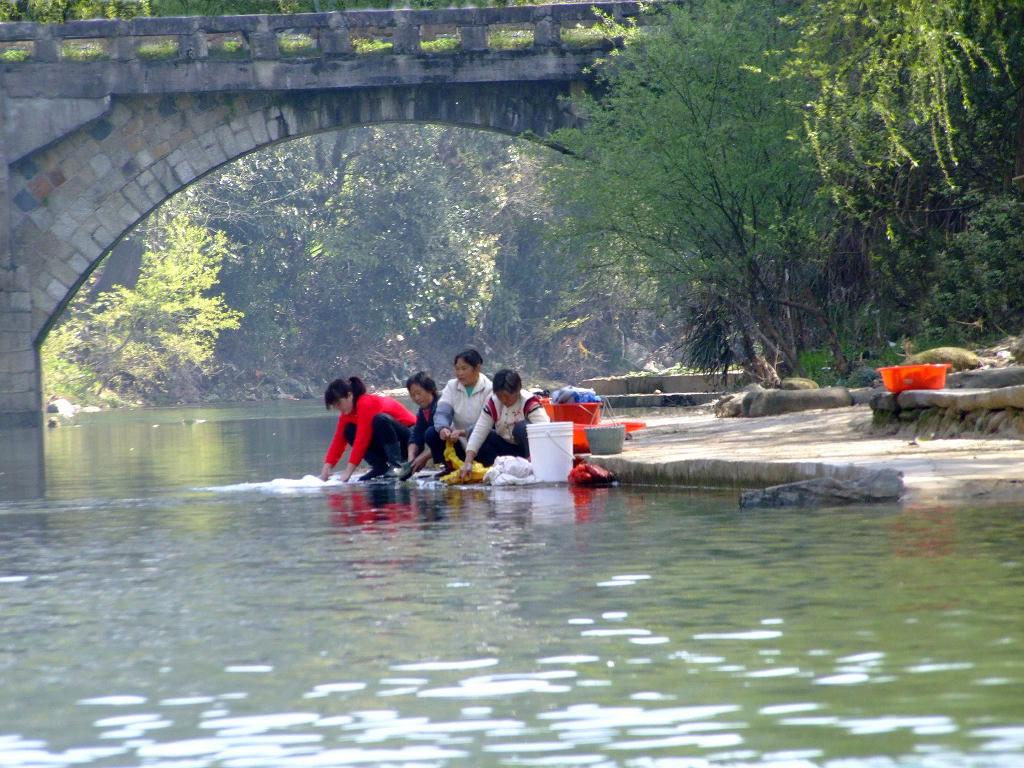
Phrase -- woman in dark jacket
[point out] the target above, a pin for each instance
(424, 443)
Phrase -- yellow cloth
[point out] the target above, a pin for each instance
(455, 477)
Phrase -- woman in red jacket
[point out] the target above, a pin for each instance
(377, 426)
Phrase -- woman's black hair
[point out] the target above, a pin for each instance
(422, 379)
(507, 380)
(470, 356)
(342, 388)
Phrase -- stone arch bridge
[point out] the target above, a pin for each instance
(105, 120)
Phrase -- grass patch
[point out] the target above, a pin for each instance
(582, 37)
(442, 45)
(365, 45)
(510, 39)
(83, 51)
(15, 54)
(296, 44)
(228, 49)
(162, 49)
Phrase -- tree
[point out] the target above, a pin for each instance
(151, 341)
(359, 247)
(918, 117)
(383, 250)
(690, 173)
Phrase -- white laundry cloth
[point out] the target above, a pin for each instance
(511, 470)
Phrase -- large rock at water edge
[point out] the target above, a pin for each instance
(881, 485)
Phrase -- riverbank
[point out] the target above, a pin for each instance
(692, 447)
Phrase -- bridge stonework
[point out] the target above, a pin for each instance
(89, 148)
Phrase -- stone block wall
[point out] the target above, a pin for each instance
(950, 413)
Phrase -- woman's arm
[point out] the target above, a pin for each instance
(483, 427)
(444, 413)
(335, 449)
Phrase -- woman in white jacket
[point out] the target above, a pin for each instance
(501, 428)
(461, 401)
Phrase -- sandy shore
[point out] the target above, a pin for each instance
(692, 447)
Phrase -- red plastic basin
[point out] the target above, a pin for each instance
(578, 413)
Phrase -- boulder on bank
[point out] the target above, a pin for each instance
(987, 378)
(872, 487)
(797, 382)
(774, 402)
(731, 403)
(63, 407)
(1017, 350)
(960, 359)
(755, 400)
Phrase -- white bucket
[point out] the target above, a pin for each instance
(551, 450)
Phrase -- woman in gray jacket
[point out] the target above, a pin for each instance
(461, 401)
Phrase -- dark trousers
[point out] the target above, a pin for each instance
(387, 431)
(436, 445)
(495, 445)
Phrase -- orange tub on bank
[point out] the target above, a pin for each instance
(583, 415)
(925, 376)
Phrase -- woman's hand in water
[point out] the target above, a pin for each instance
(325, 473)
(467, 466)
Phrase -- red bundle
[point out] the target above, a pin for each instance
(590, 474)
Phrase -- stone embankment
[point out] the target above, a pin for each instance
(661, 390)
(836, 455)
(987, 402)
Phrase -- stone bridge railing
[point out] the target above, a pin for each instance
(308, 35)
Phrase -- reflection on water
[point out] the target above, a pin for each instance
(21, 464)
(147, 620)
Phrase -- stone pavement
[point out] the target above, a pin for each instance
(692, 447)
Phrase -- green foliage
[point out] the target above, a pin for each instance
(147, 341)
(366, 45)
(510, 39)
(83, 50)
(14, 54)
(893, 75)
(979, 275)
(162, 49)
(226, 7)
(228, 49)
(58, 11)
(583, 37)
(296, 44)
(442, 45)
(692, 176)
(917, 101)
(360, 245)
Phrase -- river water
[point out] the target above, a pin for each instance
(178, 600)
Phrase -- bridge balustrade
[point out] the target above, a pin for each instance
(311, 35)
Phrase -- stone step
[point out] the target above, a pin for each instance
(670, 400)
(658, 384)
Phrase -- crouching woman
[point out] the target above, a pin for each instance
(501, 428)
(376, 426)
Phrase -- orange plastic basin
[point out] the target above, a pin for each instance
(583, 415)
(925, 376)
(578, 413)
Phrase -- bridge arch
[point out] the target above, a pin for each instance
(91, 148)
(75, 199)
